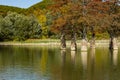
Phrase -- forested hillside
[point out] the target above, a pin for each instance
(5, 9)
(68, 17)
(41, 5)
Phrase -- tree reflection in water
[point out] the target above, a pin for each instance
(63, 57)
(73, 54)
(84, 59)
(114, 57)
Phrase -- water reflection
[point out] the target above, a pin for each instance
(63, 57)
(73, 54)
(84, 59)
(114, 57)
(42, 63)
(18, 63)
(92, 54)
(91, 61)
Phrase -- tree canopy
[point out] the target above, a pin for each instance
(62, 16)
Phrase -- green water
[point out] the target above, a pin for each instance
(50, 63)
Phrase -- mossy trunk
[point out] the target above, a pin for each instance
(63, 42)
(113, 43)
(73, 42)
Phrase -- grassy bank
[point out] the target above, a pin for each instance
(51, 42)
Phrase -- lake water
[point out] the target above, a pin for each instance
(50, 63)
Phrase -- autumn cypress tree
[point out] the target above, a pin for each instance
(68, 14)
(113, 24)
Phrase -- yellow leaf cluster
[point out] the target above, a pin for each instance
(64, 9)
(42, 19)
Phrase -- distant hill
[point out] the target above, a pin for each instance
(43, 4)
(40, 5)
(5, 9)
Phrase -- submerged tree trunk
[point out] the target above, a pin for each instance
(113, 43)
(84, 45)
(84, 40)
(73, 42)
(63, 42)
(92, 42)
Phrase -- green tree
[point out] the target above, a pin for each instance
(19, 27)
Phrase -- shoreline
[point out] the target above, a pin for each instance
(53, 43)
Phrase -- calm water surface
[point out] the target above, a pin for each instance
(47, 63)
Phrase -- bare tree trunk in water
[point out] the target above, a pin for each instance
(73, 42)
(113, 43)
(63, 41)
(92, 42)
(84, 41)
(84, 45)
